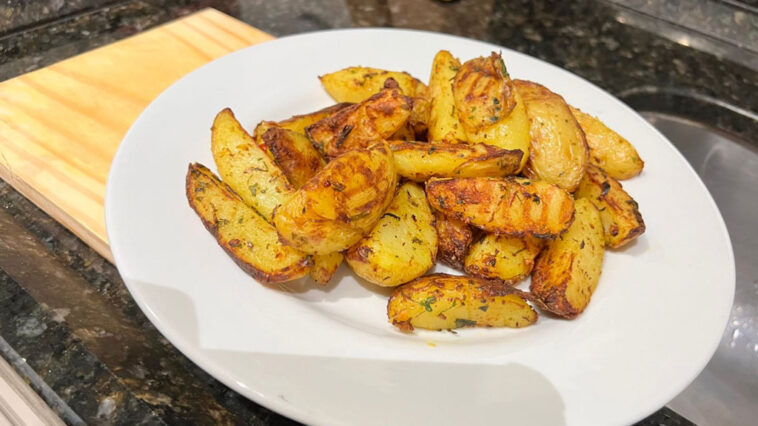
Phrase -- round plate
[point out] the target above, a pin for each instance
(329, 356)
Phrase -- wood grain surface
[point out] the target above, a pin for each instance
(60, 126)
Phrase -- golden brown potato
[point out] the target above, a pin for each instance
(608, 150)
(403, 244)
(324, 266)
(443, 302)
(294, 154)
(488, 107)
(454, 239)
(360, 125)
(619, 212)
(504, 258)
(443, 120)
(245, 236)
(341, 203)
(296, 123)
(559, 152)
(511, 206)
(420, 161)
(568, 269)
(249, 171)
(355, 84)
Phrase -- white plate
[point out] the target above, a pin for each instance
(330, 357)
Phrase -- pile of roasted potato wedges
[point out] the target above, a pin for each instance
(498, 178)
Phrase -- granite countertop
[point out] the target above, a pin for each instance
(68, 324)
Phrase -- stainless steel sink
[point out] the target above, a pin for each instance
(726, 392)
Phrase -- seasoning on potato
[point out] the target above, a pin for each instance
(341, 203)
(619, 212)
(443, 118)
(501, 257)
(402, 245)
(355, 84)
(510, 206)
(454, 239)
(444, 302)
(608, 150)
(246, 237)
(568, 269)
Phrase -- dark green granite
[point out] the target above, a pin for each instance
(68, 324)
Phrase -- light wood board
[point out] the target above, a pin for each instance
(60, 126)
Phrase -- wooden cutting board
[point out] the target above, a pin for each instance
(60, 126)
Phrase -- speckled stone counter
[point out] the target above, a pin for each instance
(67, 323)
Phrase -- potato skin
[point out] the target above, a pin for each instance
(454, 239)
(247, 169)
(510, 206)
(504, 258)
(420, 161)
(443, 119)
(620, 214)
(489, 108)
(294, 154)
(360, 125)
(568, 269)
(245, 236)
(608, 150)
(443, 302)
(296, 123)
(402, 245)
(324, 267)
(355, 84)
(559, 152)
(341, 203)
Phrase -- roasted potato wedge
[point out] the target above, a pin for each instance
(442, 302)
(360, 125)
(501, 257)
(249, 171)
(559, 151)
(443, 119)
(294, 154)
(420, 161)
(245, 236)
(355, 84)
(488, 106)
(567, 271)
(454, 239)
(324, 266)
(510, 206)
(608, 150)
(620, 214)
(296, 123)
(341, 203)
(403, 244)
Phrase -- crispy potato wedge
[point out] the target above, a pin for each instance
(454, 239)
(559, 151)
(443, 119)
(442, 302)
(249, 171)
(296, 123)
(245, 236)
(403, 244)
(420, 161)
(567, 271)
(341, 203)
(510, 206)
(501, 257)
(294, 154)
(620, 214)
(608, 150)
(488, 106)
(360, 125)
(355, 84)
(324, 267)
